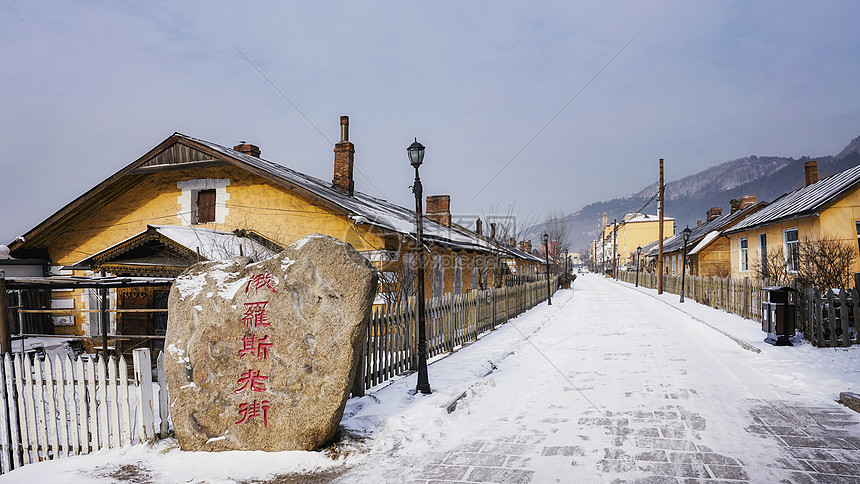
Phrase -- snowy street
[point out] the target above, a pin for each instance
(609, 384)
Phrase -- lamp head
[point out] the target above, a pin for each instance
(686, 232)
(416, 153)
(545, 238)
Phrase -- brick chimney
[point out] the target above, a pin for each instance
(810, 170)
(698, 222)
(479, 226)
(735, 203)
(439, 209)
(344, 159)
(748, 201)
(248, 149)
(493, 230)
(714, 212)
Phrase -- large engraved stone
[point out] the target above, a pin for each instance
(261, 356)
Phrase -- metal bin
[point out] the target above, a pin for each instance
(777, 314)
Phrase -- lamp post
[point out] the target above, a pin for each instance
(546, 251)
(566, 268)
(638, 261)
(686, 234)
(416, 156)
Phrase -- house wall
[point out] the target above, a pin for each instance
(252, 203)
(715, 259)
(806, 227)
(637, 234)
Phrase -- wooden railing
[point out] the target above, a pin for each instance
(452, 322)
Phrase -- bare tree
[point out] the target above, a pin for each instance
(772, 266)
(559, 234)
(826, 262)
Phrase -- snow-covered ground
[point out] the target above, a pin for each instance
(564, 393)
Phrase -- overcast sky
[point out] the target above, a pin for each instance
(88, 87)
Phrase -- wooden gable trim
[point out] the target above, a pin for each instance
(106, 257)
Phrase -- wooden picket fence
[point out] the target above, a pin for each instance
(831, 318)
(452, 321)
(58, 408)
(820, 326)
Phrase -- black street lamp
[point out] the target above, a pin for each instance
(546, 250)
(686, 233)
(416, 156)
(638, 261)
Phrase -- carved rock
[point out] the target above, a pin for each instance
(261, 356)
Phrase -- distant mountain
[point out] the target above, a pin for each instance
(687, 199)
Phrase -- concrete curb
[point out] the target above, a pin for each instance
(850, 400)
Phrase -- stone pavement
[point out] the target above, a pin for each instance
(818, 445)
(674, 420)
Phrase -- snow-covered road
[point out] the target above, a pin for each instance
(609, 384)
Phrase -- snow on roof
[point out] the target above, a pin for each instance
(644, 217)
(705, 241)
(804, 201)
(376, 211)
(209, 243)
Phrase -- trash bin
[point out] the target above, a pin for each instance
(777, 314)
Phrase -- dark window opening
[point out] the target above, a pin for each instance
(205, 207)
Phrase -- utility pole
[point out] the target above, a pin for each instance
(614, 247)
(660, 243)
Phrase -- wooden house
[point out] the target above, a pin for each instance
(188, 200)
(822, 208)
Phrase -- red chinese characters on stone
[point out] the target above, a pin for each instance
(255, 314)
(254, 409)
(252, 380)
(251, 344)
(260, 281)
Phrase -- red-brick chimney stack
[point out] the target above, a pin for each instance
(344, 159)
(248, 149)
(439, 209)
(810, 171)
(714, 212)
(479, 227)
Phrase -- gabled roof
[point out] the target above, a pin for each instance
(190, 152)
(700, 232)
(803, 202)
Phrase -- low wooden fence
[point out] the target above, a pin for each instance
(820, 326)
(831, 318)
(452, 321)
(57, 408)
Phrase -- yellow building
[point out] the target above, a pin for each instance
(706, 251)
(622, 239)
(188, 200)
(825, 208)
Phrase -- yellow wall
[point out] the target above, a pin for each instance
(254, 203)
(637, 234)
(806, 227)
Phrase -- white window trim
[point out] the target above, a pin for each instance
(188, 199)
(788, 253)
(743, 254)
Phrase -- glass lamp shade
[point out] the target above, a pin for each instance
(416, 153)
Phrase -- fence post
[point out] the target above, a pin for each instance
(361, 365)
(143, 379)
(163, 407)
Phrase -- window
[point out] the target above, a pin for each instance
(203, 200)
(476, 273)
(857, 226)
(438, 276)
(744, 255)
(762, 254)
(458, 275)
(792, 251)
(204, 210)
(408, 275)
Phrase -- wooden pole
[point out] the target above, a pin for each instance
(5, 324)
(614, 247)
(660, 242)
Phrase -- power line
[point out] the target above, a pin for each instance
(551, 120)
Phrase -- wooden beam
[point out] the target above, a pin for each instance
(5, 324)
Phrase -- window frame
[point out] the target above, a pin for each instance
(743, 254)
(791, 255)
